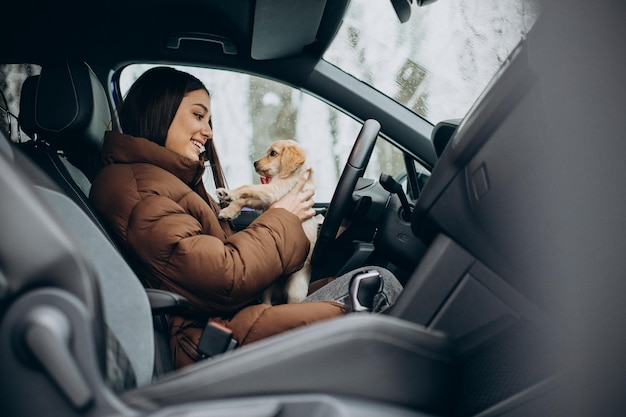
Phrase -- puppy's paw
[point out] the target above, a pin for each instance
(295, 298)
(224, 195)
(228, 213)
(297, 286)
(267, 296)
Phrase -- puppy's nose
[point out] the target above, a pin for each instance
(255, 163)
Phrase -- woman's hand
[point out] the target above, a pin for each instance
(297, 201)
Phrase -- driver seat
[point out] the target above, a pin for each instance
(65, 111)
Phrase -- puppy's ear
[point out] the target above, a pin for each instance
(291, 159)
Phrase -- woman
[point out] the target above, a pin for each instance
(150, 192)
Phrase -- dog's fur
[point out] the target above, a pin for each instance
(285, 164)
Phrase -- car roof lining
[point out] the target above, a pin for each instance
(262, 30)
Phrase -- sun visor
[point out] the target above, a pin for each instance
(283, 27)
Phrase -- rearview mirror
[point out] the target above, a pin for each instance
(403, 8)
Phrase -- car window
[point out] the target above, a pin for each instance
(12, 77)
(439, 61)
(250, 112)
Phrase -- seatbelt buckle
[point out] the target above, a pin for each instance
(215, 339)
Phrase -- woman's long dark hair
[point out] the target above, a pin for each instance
(152, 101)
(151, 104)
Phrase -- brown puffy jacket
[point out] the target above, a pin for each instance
(155, 202)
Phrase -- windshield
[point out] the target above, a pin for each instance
(438, 62)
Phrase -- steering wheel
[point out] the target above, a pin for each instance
(340, 203)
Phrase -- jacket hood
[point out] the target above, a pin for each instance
(119, 148)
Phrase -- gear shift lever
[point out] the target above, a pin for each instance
(363, 287)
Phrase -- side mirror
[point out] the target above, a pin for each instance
(442, 133)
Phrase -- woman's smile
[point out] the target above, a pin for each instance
(191, 127)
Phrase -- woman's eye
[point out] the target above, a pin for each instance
(199, 116)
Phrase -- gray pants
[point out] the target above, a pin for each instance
(337, 290)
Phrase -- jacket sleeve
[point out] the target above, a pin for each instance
(189, 254)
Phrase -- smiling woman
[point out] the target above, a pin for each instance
(191, 127)
(149, 191)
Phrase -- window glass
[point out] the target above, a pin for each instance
(12, 77)
(438, 62)
(251, 112)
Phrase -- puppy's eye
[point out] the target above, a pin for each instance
(273, 153)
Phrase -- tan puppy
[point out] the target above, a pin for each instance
(282, 166)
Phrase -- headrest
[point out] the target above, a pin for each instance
(70, 111)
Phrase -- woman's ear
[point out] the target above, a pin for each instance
(291, 159)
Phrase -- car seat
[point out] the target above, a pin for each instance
(65, 111)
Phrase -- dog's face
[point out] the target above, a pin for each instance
(282, 159)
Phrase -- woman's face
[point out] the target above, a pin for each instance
(190, 128)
